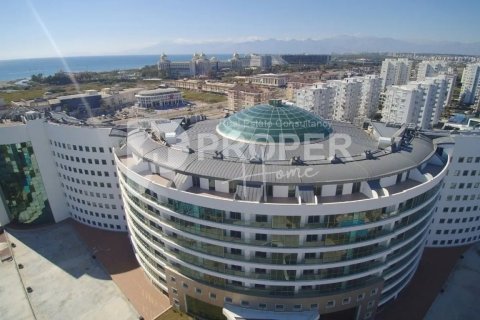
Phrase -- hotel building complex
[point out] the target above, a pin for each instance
(249, 225)
(272, 211)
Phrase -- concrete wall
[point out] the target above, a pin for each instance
(41, 146)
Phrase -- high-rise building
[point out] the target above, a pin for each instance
(432, 68)
(342, 100)
(457, 213)
(420, 103)
(470, 92)
(256, 229)
(318, 99)
(395, 72)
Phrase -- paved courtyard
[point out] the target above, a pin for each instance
(13, 298)
(67, 282)
(460, 298)
(114, 251)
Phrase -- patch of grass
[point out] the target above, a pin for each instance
(173, 314)
(203, 96)
(25, 94)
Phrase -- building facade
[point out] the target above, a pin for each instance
(395, 72)
(244, 96)
(161, 98)
(51, 171)
(432, 68)
(342, 100)
(470, 92)
(269, 80)
(457, 212)
(336, 239)
(420, 103)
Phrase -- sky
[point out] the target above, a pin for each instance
(46, 28)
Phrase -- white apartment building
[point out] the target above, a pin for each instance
(420, 102)
(470, 92)
(318, 98)
(395, 72)
(370, 99)
(348, 93)
(432, 68)
(342, 100)
(457, 213)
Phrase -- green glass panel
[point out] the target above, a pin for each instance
(274, 123)
(21, 185)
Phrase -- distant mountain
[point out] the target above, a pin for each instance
(338, 44)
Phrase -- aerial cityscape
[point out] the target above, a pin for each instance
(255, 160)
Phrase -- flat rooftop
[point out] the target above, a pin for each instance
(197, 148)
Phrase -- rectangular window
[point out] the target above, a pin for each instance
(260, 237)
(235, 234)
(261, 218)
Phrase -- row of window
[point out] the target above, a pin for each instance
(82, 160)
(468, 159)
(98, 224)
(281, 307)
(465, 173)
(90, 183)
(79, 147)
(96, 214)
(458, 220)
(462, 198)
(460, 209)
(93, 203)
(462, 185)
(454, 231)
(83, 171)
(79, 181)
(456, 241)
(91, 193)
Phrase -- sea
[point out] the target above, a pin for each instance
(25, 68)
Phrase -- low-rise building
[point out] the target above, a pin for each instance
(161, 98)
(269, 79)
(241, 96)
(115, 98)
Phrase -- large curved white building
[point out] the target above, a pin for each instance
(274, 210)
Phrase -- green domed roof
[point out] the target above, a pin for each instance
(274, 122)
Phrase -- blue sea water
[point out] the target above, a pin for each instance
(25, 68)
